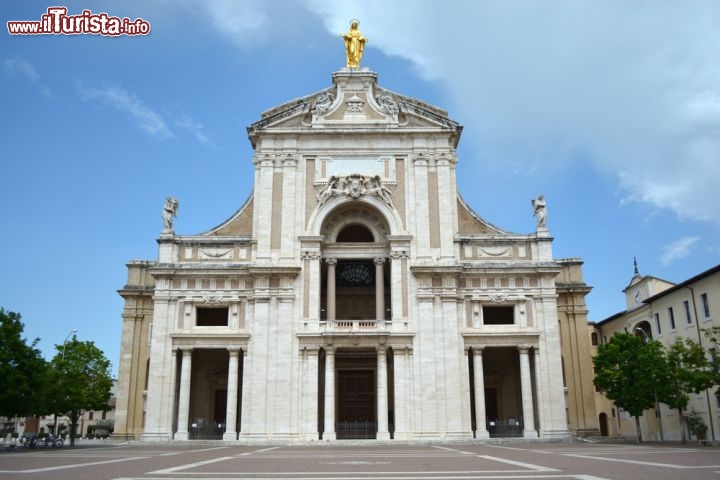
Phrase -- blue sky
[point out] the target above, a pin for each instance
(610, 109)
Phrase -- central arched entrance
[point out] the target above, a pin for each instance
(355, 300)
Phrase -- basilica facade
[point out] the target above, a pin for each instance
(355, 294)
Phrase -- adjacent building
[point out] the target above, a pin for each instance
(664, 311)
(355, 294)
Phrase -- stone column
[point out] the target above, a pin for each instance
(232, 397)
(184, 400)
(382, 396)
(379, 289)
(527, 395)
(479, 382)
(172, 411)
(331, 288)
(329, 433)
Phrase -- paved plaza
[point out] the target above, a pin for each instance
(371, 461)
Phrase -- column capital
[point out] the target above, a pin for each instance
(310, 254)
(186, 350)
(331, 261)
(234, 351)
(478, 351)
(381, 350)
(524, 348)
(379, 260)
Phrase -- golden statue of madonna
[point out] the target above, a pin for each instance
(354, 45)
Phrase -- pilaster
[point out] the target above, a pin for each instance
(289, 207)
(329, 431)
(382, 395)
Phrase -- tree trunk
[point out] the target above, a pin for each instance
(73, 425)
(639, 431)
(683, 438)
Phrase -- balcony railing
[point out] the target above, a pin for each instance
(355, 325)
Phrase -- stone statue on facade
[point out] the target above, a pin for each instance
(354, 45)
(355, 186)
(169, 213)
(379, 190)
(323, 103)
(334, 187)
(387, 103)
(540, 211)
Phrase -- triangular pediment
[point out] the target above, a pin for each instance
(354, 101)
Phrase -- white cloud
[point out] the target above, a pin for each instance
(244, 22)
(21, 66)
(115, 97)
(634, 89)
(196, 128)
(677, 250)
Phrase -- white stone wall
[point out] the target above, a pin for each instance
(281, 333)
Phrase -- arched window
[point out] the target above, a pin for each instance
(355, 233)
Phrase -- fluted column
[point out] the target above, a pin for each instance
(184, 400)
(232, 396)
(382, 396)
(331, 288)
(379, 289)
(527, 395)
(329, 431)
(479, 382)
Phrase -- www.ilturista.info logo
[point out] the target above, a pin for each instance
(57, 22)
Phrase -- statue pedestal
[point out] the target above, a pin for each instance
(166, 242)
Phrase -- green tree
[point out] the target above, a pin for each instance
(627, 370)
(688, 373)
(712, 334)
(22, 370)
(80, 381)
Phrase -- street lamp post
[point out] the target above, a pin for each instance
(657, 405)
(62, 365)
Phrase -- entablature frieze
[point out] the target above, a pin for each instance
(506, 267)
(354, 251)
(260, 271)
(210, 340)
(402, 342)
(476, 339)
(430, 270)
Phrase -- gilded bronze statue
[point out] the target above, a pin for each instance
(354, 45)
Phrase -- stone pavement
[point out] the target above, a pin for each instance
(364, 461)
